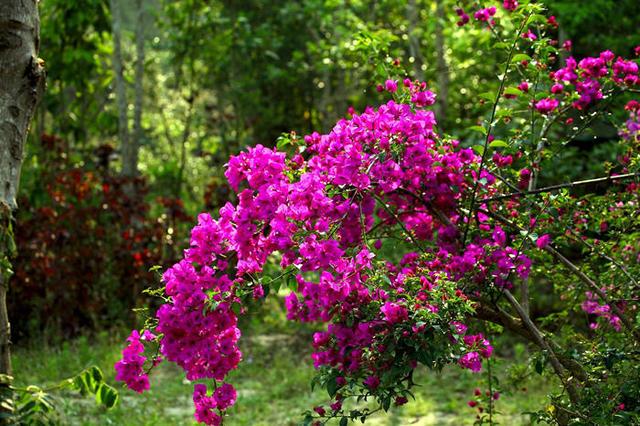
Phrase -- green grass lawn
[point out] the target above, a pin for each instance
(272, 382)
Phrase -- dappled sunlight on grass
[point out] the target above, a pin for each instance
(272, 382)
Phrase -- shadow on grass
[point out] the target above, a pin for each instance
(272, 382)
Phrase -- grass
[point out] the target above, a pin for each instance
(272, 382)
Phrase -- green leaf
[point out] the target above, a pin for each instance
(487, 96)
(88, 381)
(503, 112)
(236, 308)
(512, 91)
(521, 57)
(27, 407)
(479, 149)
(308, 419)
(80, 384)
(386, 403)
(107, 396)
(498, 143)
(537, 18)
(96, 373)
(332, 387)
(344, 421)
(480, 129)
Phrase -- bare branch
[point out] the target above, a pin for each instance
(576, 184)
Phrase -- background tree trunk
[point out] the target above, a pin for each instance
(128, 165)
(412, 13)
(139, 88)
(443, 69)
(22, 79)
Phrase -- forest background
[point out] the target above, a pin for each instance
(146, 100)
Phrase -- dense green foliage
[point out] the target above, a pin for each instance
(221, 75)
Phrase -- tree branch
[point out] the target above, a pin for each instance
(553, 359)
(596, 289)
(593, 286)
(498, 316)
(576, 184)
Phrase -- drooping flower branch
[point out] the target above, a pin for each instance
(390, 231)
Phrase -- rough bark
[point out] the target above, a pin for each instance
(22, 79)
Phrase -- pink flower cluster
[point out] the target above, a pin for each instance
(593, 307)
(529, 35)
(204, 345)
(463, 17)
(510, 5)
(222, 398)
(479, 348)
(631, 127)
(382, 171)
(590, 74)
(485, 15)
(130, 369)
(546, 106)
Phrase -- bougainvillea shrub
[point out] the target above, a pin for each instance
(398, 238)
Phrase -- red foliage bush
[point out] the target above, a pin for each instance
(85, 246)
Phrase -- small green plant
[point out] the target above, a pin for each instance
(33, 405)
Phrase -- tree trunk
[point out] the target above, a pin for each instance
(139, 89)
(443, 69)
(128, 166)
(414, 41)
(22, 79)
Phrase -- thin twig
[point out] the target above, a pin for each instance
(604, 256)
(489, 128)
(576, 184)
(596, 289)
(397, 219)
(577, 272)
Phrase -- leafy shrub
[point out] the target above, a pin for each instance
(397, 238)
(85, 245)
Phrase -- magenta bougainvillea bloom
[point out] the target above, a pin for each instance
(523, 87)
(472, 361)
(557, 88)
(593, 307)
(510, 5)
(391, 86)
(321, 210)
(529, 35)
(372, 382)
(546, 106)
(130, 368)
(543, 241)
(205, 406)
(463, 17)
(317, 231)
(485, 14)
(394, 313)
(225, 396)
